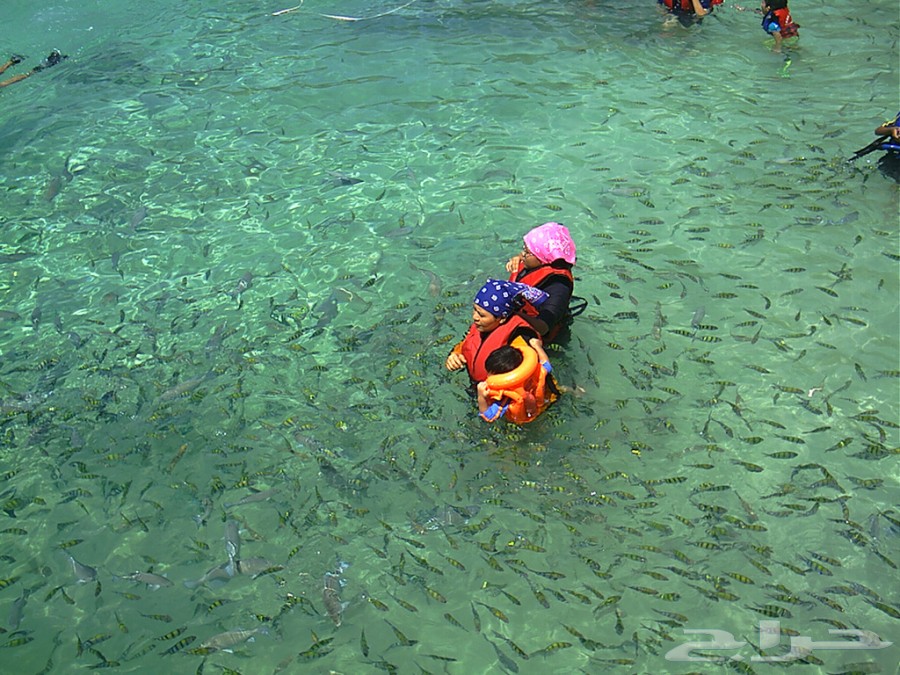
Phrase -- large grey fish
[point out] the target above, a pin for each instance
(340, 179)
(14, 257)
(851, 217)
(699, 313)
(218, 573)
(216, 339)
(257, 496)
(53, 188)
(114, 261)
(309, 442)
(58, 181)
(506, 661)
(327, 310)
(445, 515)
(201, 518)
(434, 281)
(83, 573)
(697, 319)
(331, 598)
(233, 545)
(137, 218)
(230, 638)
(245, 282)
(17, 610)
(659, 321)
(252, 567)
(36, 314)
(182, 388)
(153, 581)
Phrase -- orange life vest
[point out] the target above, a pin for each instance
(786, 23)
(528, 389)
(780, 20)
(476, 347)
(535, 277)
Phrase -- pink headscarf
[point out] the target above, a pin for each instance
(551, 241)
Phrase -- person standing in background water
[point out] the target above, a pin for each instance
(688, 12)
(777, 22)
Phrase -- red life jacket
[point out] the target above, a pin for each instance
(477, 347)
(536, 277)
(785, 22)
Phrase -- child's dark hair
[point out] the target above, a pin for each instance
(503, 360)
(776, 4)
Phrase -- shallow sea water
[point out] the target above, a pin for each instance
(236, 249)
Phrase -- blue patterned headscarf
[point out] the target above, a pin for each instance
(502, 298)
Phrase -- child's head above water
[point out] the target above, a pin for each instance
(503, 360)
(774, 4)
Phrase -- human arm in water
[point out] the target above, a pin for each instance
(538, 346)
(483, 403)
(11, 61)
(889, 129)
(699, 9)
(455, 359)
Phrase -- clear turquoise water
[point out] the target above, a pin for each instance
(368, 175)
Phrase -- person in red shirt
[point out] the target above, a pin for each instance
(777, 21)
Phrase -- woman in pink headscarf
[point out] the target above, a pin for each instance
(546, 262)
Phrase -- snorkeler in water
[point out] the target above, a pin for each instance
(53, 58)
